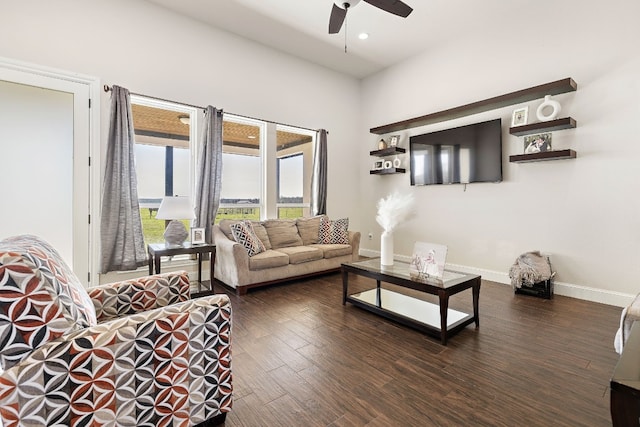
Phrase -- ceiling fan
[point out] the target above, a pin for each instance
(340, 8)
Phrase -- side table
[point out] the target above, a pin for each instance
(158, 250)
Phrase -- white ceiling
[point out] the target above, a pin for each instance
(300, 27)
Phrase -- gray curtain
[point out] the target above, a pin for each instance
(319, 177)
(121, 235)
(209, 172)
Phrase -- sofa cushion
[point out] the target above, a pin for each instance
(282, 233)
(300, 254)
(334, 250)
(268, 259)
(309, 229)
(334, 232)
(243, 233)
(261, 232)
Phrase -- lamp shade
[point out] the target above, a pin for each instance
(175, 207)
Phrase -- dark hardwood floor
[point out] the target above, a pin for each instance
(301, 358)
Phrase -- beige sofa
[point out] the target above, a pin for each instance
(291, 250)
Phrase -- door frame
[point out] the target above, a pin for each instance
(50, 78)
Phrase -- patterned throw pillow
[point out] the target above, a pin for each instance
(243, 233)
(333, 232)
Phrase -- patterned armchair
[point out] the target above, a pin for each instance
(135, 353)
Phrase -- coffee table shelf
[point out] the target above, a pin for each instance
(434, 319)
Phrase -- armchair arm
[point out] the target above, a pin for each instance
(117, 299)
(168, 366)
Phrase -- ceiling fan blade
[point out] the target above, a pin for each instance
(392, 6)
(336, 19)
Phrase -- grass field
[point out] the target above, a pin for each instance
(153, 228)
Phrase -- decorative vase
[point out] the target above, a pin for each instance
(176, 233)
(548, 103)
(386, 248)
(382, 145)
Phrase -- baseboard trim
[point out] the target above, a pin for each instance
(571, 290)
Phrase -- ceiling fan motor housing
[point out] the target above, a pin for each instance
(342, 4)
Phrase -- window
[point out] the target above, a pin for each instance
(266, 169)
(293, 174)
(241, 196)
(164, 158)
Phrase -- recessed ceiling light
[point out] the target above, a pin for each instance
(363, 36)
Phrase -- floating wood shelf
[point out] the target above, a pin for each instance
(558, 124)
(387, 171)
(389, 151)
(545, 155)
(524, 95)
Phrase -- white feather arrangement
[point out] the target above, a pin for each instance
(394, 210)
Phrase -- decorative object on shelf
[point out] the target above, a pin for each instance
(519, 116)
(397, 162)
(392, 211)
(537, 143)
(548, 103)
(395, 139)
(175, 208)
(382, 144)
(197, 236)
(378, 164)
(428, 260)
(388, 164)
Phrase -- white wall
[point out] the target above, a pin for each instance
(151, 51)
(584, 212)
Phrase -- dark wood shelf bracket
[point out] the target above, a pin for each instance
(387, 171)
(520, 96)
(550, 126)
(389, 151)
(545, 155)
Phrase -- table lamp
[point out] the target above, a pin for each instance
(175, 208)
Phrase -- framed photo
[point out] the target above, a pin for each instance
(537, 143)
(428, 260)
(395, 139)
(378, 164)
(519, 117)
(197, 236)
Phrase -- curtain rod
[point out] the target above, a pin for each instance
(107, 88)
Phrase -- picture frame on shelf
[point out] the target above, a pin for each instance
(378, 164)
(395, 139)
(537, 143)
(197, 236)
(520, 116)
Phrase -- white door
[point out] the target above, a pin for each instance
(44, 163)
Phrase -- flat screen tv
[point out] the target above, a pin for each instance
(471, 153)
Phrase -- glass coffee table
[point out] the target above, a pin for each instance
(434, 319)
